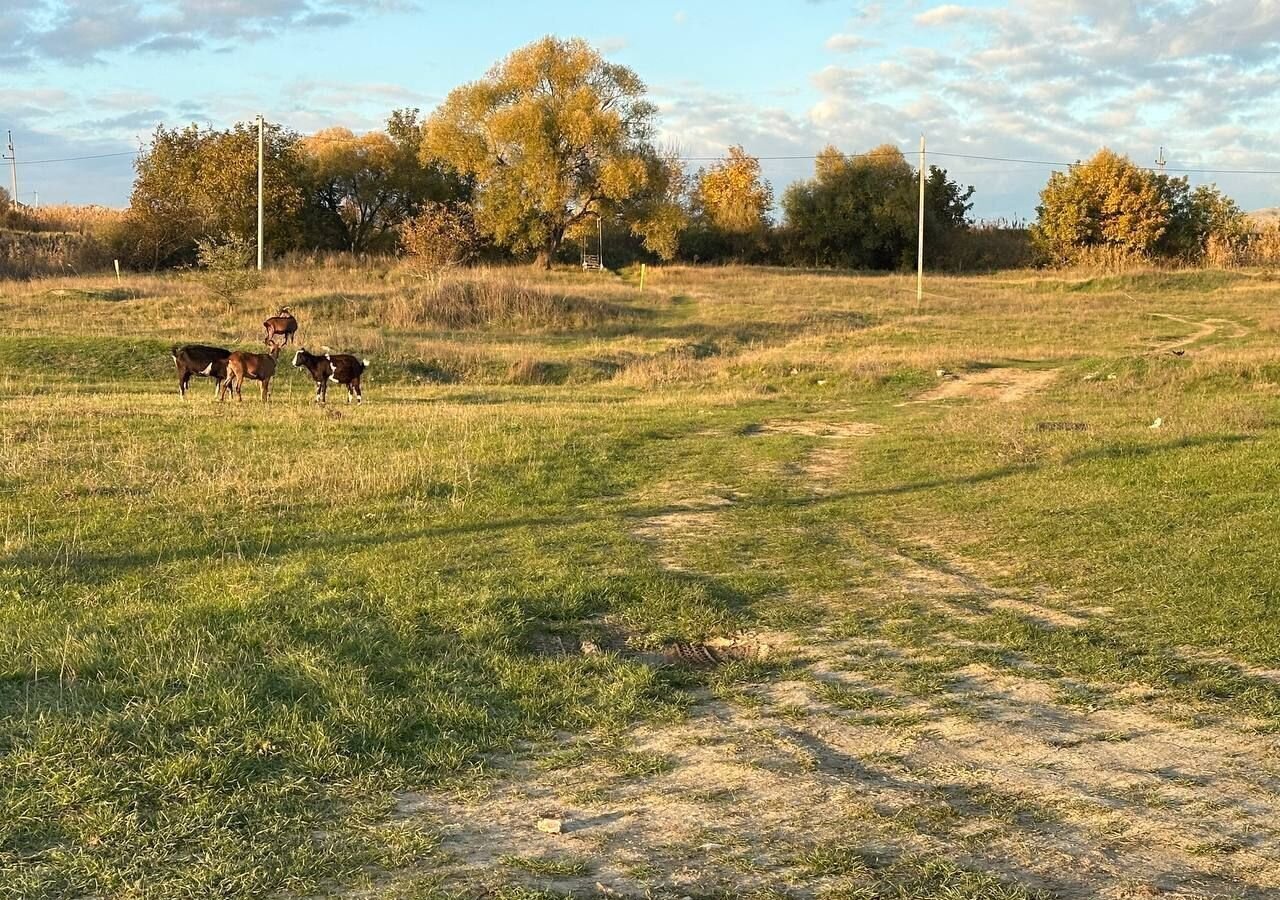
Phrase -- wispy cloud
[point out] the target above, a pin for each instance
(847, 43)
(80, 32)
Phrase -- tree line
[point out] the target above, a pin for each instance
(554, 148)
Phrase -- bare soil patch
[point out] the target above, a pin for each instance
(1002, 385)
(679, 525)
(815, 429)
(996, 772)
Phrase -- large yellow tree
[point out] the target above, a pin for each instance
(1106, 201)
(733, 196)
(552, 136)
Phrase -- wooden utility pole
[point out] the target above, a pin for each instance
(260, 131)
(920, 245)
(12, 156)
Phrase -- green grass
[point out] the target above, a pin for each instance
(229, 633)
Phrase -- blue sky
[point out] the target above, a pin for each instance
(1030, 79)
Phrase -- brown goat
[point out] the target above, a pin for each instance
(282, 325)
(258, 367)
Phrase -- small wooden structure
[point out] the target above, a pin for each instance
(594, 261)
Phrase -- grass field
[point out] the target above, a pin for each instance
(1009, 632)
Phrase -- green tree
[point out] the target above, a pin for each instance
(352, 182)
(861, 210)
(194, 183)
(1197, 217)
(1104, 202)
(551, 136)
(226, 266)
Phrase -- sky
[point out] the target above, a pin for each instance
(1032, 80)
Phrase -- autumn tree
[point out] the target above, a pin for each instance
(440, 237)
(1104, 202)
(195, 183)
(353, 185)
(360, 189)
(732, 196)
(1110, 202)
(862, 210)
(551, 136)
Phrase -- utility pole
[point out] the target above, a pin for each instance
(261, 126)
(12, 156)
(920, 246)
(1160, 160)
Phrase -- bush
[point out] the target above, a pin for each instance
(982, 248)
(225, 265)
(439, 238)
(487, 302)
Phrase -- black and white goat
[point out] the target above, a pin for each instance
(202, 360)
(340, 368)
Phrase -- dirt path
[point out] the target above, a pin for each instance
(866, 761)
(993, 769)
(1006, 384)
(1205, 329)
(879, 767)
(1003, 385)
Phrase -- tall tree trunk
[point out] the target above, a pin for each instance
(547, 253)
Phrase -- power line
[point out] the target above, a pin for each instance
(37, 162)
(1190, 170)
(1047, 162)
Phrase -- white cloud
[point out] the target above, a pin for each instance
(948, 14)
(611, 44)
(78, 32)
(847, 43)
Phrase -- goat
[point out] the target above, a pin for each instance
(281, 324)
(347, 369)
(318, 368)
(254, 366)
(340, 368)
(202, 360)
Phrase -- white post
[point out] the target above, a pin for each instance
(260, 131)
(920, 246)
(117, 271)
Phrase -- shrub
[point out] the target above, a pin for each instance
(440, 237)
(982, 248)
(487, 302)
(225, 265)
